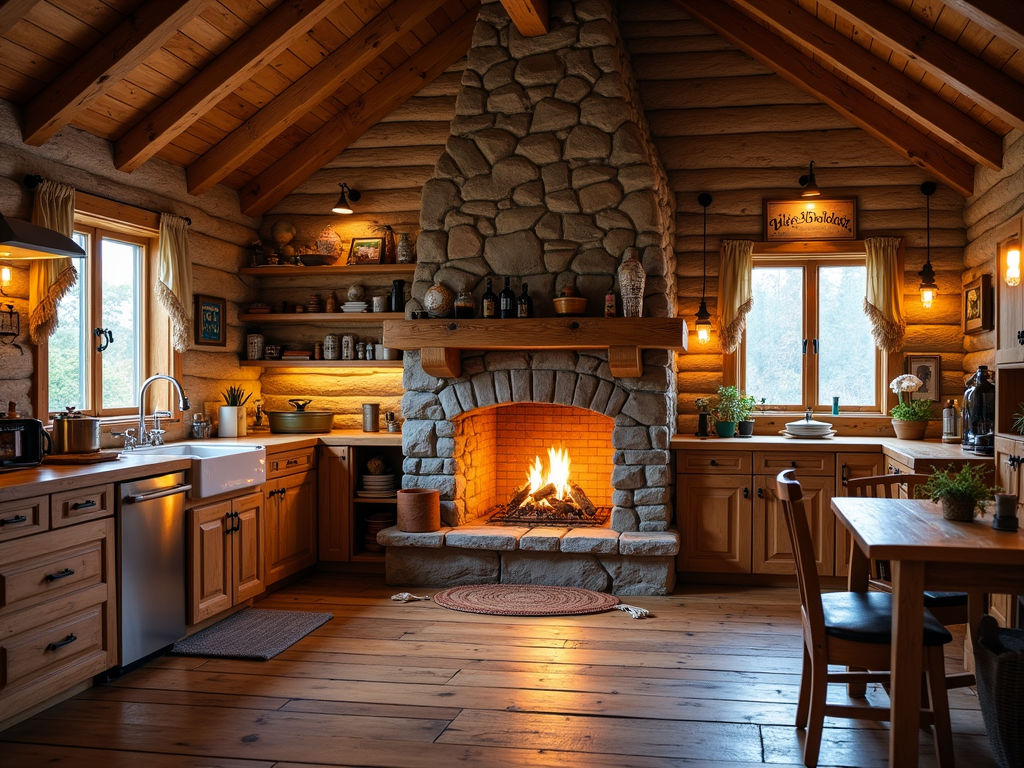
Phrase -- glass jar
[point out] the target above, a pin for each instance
(979, 414)
(465, 307)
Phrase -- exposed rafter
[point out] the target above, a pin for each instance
(860, 110)
(271, 186)
(1004, 18)
(138, 36)
(13, 11)
(307, 92)
(998, 93)
(529, 16)
(254, 50)
(973, 140)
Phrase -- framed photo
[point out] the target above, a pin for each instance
(977, 309)
(209, 321)
(366, 250)
(810, 219)
(928, 368)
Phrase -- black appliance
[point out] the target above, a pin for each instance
(23, 443)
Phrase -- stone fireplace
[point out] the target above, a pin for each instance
(548, 176)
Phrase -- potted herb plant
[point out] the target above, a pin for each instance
(727, 410)
(960, 494)
(745, 423)
(231, 415)
(909, 417)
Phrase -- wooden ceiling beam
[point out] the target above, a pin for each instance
(250, 53)
(971, 139)
(1003, 18)
(138, 36)
(13, 11)
(893, 27)
(307, 92)
(801, 71)
(529, 16)
(274, 184)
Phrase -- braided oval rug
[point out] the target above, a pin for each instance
(525, 600)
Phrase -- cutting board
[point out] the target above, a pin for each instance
(96, 457)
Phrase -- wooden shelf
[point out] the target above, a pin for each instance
(278, 270)
(320, 363)
(319, 318)
(441, 341)
(368, 557)
(392, 500)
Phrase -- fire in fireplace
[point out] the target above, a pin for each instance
(550, 498)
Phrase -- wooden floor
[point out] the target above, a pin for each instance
(710, 679)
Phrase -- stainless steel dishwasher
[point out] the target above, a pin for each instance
(151, 565)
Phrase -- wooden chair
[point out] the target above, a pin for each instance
(947, 607)
(852, 629)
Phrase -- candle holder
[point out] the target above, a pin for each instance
(1005, 518)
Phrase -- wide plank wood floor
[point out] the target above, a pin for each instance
(710, 679)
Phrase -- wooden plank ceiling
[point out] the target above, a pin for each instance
(260, 94)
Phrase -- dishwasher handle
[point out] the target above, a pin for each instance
(138, 498)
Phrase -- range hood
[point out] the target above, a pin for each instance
(21, 240)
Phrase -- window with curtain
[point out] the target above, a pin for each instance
(808, 339)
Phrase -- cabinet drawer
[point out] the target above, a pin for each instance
(289, 462)
(772, 463)
(73, 507)
(713, 462)
(24, 516)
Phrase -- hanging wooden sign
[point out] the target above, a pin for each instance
(811, 219)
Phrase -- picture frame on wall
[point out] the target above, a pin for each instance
(928, 368)
(366, 250)
(977, 306)
(209, 321)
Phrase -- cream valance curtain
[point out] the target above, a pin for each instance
(174, 283)
(49, 280)
(734, 290)
(883, 300)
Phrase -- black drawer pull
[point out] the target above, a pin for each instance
(292, 463)
(60, 575)
(61, 643)
(714, 463)
(746, 493)
(84, 504)
(760, 493)
(792, 464)
(13, 520)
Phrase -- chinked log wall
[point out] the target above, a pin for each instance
(725, 124)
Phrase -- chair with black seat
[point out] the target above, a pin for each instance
(852, 629)
(947, 607)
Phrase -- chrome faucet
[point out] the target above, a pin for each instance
(156, 435)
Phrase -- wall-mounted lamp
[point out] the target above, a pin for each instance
(928, 287)
(347, 194)
(5, 280)
(1012, 276)
(703, 323)
(809, 184)
(21, 240)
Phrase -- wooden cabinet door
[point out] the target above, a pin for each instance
(772, 550)
(209, 553)
(334, 502)
(247, 544)
(713, 514)
(850, 466)
(290, 525)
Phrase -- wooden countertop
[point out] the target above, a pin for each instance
(281, 442)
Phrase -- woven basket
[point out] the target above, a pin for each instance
(999, 670)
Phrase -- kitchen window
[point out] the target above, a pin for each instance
(807, 338)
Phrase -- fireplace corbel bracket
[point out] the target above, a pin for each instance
(441, 341)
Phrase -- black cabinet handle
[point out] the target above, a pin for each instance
(814, 342)
(61, 643)
(60, 574)
(746, 493)
(760, 493)
(13, 520)
(805, 346)
(714, 463)
(792, 464)
(842, 475)
(84, 504)
(230, 522)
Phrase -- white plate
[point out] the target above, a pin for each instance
(823, 436)
(377, 494)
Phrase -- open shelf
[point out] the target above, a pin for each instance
(286, 270)
(319, 318)
(320, 363)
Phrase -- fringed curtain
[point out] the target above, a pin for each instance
(49, 280)
(734, 292)
(883, 301)
(174, 286)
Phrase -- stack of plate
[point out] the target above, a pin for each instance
(354, 306)
(378, 486)
(808, 429)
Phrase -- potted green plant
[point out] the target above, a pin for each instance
(231, 415)
(745, 423)
(960, 494)
(909, 417)
(727, 410)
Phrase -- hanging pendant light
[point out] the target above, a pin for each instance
(21, 240)
(703, 323)
(809, 184)
(347, 193)
(928, 287)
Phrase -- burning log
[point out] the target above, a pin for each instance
(518, 497)
(580, 498)
(544, 493)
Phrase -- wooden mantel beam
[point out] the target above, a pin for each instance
(1000, 94)
(946, 121)
(1002, 18)
(529, 16)
(274, 184)
(944, 164)
(309, 90)
(104, 65)
(250, 53)
(13, 11)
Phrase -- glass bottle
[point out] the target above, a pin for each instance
(465, 307)
(525, 307)
(398, 296)
(950, 420)
(489, 302)
(507, 300)
(978, 433)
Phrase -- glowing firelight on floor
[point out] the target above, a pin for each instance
(557, 475)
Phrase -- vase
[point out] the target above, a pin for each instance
(960, 510)
(398, 295)
(631, 283)
(702, 424)
(404, 249)
(438, 300)
(745, 428)
(419, 510)
(725, 428)
(227, 421)
(910, 430)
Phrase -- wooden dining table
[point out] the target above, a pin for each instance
(925, 551)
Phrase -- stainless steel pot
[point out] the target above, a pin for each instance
(74, 432)
(300, 421)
